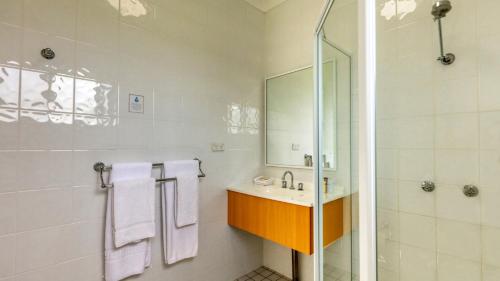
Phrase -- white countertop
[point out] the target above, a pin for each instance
(274, 192)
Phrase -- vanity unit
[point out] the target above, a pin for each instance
(284, 216)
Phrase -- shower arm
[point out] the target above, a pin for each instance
(441, 44)
(445, 59)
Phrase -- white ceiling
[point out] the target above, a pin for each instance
(265, 5)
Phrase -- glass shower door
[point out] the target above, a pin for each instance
(336, 173)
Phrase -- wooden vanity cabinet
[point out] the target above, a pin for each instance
(284, 223)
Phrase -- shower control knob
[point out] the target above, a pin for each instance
(428, 186)
(48, 53)
(471, 190)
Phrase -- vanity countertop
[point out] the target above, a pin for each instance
(274, 192)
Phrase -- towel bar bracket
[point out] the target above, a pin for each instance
(100, 168)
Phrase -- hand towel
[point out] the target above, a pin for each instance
(133, 210)
(186, 192)
(179, 243)
(133, 258)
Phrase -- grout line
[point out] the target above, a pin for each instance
(479, 114)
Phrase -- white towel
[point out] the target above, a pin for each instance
(132, 258)
(186, 192)
(178, 242)
(133, 210)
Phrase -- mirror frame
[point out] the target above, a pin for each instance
(267, 164)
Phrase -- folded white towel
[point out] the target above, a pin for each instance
(186, 192)
(178, 242)
(133, 210)
(133, 258)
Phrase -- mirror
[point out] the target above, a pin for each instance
(336, 119)
(290, 109)
(289, 119)
(329, 115)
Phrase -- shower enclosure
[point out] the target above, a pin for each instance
(430, 138)
(438, 140)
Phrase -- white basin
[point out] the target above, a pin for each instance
(293, 196)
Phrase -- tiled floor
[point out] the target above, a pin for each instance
(263, 274)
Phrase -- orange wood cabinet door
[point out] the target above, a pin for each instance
(286, 224)
(333, 221)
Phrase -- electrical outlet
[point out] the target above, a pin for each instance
(218, 147)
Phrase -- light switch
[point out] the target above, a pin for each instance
(218, 147)
(295, 147)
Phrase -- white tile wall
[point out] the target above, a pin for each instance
(417, 264)
(490, 273)
(387, 193)
(389, 254)
(415, 201)
(455, 269)
(417, 230)
(193, 61)
(490, 245)
(454, 244)
(439, 123)
(452, 204)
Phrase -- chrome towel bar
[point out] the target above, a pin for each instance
(100, 167)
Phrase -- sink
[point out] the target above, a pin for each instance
(276, 192)
(303, 197)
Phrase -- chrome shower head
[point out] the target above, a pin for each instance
(441, 8)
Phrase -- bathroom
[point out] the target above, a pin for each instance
(385, 113)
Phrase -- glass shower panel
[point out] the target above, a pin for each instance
(438, 140)
(336, 159)
(338, 147)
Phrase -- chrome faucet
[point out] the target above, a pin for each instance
(283, 180)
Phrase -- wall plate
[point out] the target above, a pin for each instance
(218, 147)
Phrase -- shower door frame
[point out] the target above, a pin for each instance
(367, 165)
(367, 153)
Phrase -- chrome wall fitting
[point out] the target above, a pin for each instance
(447, 59)
(471, 190)
(428, 186)
(48, 53)
(439, 11)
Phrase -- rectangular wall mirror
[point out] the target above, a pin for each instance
(289, 118)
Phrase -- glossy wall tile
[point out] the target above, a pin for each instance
(198, 65)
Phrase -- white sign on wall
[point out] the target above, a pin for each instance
(136, 103)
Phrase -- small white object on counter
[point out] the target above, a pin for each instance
(262, 180)
(292, 196)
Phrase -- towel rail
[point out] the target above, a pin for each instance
(100, 167)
